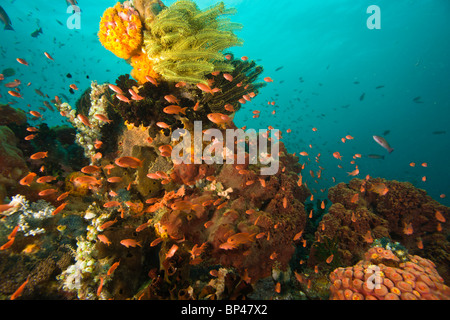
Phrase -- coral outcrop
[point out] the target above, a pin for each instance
(382, 275)
(361, 213)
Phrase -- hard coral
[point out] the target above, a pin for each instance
(11, 115)
(370, 279)
(12, 162)
(360, 215)
(121, 31)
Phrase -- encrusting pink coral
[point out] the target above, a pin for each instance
(381, 276)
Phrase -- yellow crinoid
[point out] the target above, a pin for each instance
(142, 67)
(121, 31)
(186, 43)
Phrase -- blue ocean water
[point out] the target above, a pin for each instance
(326, 65)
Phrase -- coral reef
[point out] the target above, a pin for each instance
(382, 275)
(12, 163)
(28, 217)
(128, 221)
(89, 125)
(11, 115)
(359, 215)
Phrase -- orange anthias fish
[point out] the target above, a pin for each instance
(86, 179)
(173, 109)
(84, 120)
(4, 207)
(128, 162)
(206, 88)
(22, 61)
(62, 196)
(100, 287)
(368, 237)
(114, 179)
(121, 97)
(13, 233)
(19, 291)
(36, 114)
(115, 88)
(30, 137)
(228, 77)
(182, 205)
(229, 107)
(135, 95)
(171, 99)
(104, 239)
(102, 118)
(218, 118)
(15, 94)
(90, 169)
(439, 216)
(13, 84)
(337, 155)
(151, 80)
(379, 188)
(171, 251)
(111, 204)
(354, 172)
(59, 209)
(47, 192)
(408, 230)
(130, 243)
(236, 239)
(107, 224)
(113, 268)
(163, 125)
(329, 259)
(28, 179)
(49, 56)
(39, 155)
(8, 244)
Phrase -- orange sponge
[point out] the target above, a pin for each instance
(121, 31)
(142, 67)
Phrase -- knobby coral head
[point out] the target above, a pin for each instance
(121, 31)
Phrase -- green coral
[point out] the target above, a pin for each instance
(186, 43)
